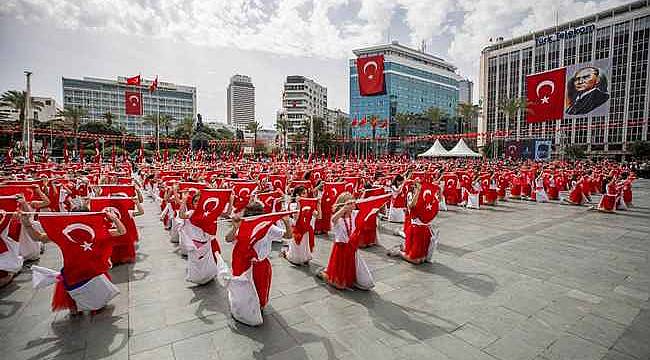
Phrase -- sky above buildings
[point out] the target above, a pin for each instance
(204, 42)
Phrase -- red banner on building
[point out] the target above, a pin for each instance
(371, 75)
(545, 95)
(133, 103)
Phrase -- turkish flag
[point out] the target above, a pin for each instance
(154, 85)
(84, 240)
(279, 182)
(243, 192)
(363, 121)
(368, 209)
(354, 122)
(426, 206)
(545, 95)
(210, 206)
(331, 192)
(371, 75)
(133, 102)
(134, 80)
(117, 190)
(270, 200)
(307, 206)
(121, 206)
(28, 190)
(251, 230)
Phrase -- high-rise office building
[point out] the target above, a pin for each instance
(414, 82)
(465, 88)
(302, 98)
(99, 96)
(241, 102)
(612, 45)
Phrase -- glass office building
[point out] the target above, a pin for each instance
(414, 81)
(616, 41)
(99, 96)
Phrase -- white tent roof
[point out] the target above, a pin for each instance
(435, 150)
(462, 150)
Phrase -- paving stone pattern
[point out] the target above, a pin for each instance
(515, 282)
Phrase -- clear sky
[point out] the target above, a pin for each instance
(204, 42)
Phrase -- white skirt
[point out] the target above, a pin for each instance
(396, 215)
(299, 253)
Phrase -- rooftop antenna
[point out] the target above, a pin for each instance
(557, 18)
(388, 34)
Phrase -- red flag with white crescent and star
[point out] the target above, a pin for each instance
(303, 222)
(370, 70)
(210, 206)
(134, 80)
(545, 95)
(133, 103)
(368, 208)
(154, 85)
(10, 156)
(251, 230)
(84, 240)
(242, 192)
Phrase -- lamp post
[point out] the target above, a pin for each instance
(27, 135)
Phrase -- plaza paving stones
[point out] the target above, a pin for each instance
(519, 281)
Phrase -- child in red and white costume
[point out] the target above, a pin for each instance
(86, 264)
(301, 245)
(610, 197)
(345, 268)
(422, 237)
(397, 210)
(250, 285)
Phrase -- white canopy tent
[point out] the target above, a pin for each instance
(462, 150)
(435, 150)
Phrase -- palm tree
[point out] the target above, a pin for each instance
(164, 121)
(254, 127)
(108, 116)
(187, 126)
(72, 117)
(435, 116)
(16, 99)
(154, 121)
(341, 126)
(467, 113)
(403, 120)
(510, 107)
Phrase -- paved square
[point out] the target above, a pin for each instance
(519, 281)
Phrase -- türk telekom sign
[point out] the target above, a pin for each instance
(565, 34)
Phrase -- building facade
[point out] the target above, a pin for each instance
(465, 89)
(336, 121)
(302, 98)
(414, 82)
(99, 96)
(241, 102)
(615, 41)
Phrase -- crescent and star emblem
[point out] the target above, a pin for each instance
(86, 246)
(134, 100)
(365, 67)
(545, 99)
(207, 208)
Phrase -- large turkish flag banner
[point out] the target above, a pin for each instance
(371, 75)
(133, 103)
(545, 95)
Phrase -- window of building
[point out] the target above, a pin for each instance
(581, 130)
(638, 75)
(570, 51)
